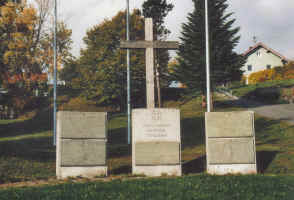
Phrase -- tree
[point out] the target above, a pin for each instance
(27, 40)
(101, 71)
(26, 46)
(63, 45)
(158, 10)
(225, 63)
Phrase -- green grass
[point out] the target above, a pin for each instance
(26, 150)
(268, 92)
(27, 153)
(189, 187)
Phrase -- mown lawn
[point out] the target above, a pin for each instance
(27, 152)
(198, 187)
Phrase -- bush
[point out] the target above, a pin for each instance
(83, 105)
(277, 73)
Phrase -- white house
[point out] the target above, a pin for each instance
(261, 57)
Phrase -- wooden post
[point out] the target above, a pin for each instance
(149, 45)
(149, 65)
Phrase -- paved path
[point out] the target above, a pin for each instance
(283, 112)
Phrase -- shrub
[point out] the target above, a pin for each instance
(275, 74)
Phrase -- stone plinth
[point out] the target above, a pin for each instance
(156, 144)
(230, 143)
(81, 144)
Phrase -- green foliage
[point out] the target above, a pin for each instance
(101, 69)
(225, 63)
(157, 10)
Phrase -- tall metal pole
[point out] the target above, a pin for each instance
(55, 73)
(207, 58)
(128, 75)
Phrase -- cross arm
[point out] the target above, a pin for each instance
(171, 45)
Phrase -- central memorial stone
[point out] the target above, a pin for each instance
(156, 142)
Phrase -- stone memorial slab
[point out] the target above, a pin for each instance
(81, 144)
(157, 153)
(83, 153)
(156, 142)
(230, 142)
(82, 125)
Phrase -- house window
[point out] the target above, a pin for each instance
(268, 67)
(258, 53)
(249, 67)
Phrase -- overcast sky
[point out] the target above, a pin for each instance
(272, 21)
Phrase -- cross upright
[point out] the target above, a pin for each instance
(149, 45)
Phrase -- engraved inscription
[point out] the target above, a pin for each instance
(231, 151)
(156, 115)
(156, 125)
(156, 130)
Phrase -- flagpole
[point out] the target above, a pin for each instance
(55, 73)
(128, 75)
(207, 58)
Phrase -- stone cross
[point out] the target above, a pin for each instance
(149, 45)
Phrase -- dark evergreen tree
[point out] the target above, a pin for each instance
(225, 64)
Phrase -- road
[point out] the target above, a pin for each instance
(283, 112)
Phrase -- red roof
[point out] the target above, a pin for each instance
(260, 44)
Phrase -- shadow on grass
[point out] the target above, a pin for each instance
(193, 132)
(242, 102)
(27, 159)
(125, 169)
(40, 123)
(117, 151)
(264, 159)
(117, 136)
(197, 165)
(33, 149)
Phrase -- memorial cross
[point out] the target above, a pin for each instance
(149, 45)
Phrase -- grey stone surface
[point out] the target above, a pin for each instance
(156, 144)
(231, 151)
(230, 142)
(82, 124)
(229, 124)
(157, 153)
(81, 144)
(83, 153)
(156, 125)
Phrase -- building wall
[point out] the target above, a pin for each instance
(260, 62)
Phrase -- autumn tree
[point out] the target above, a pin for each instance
(27, 39)
(102, 65)
(26, 45)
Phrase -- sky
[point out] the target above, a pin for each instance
(271, 21)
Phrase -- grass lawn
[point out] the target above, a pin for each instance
(27, 154)
(198, 187)
(270, 92)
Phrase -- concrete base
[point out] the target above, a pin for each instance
(172, 170)
(86, 172)
(232, 169)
